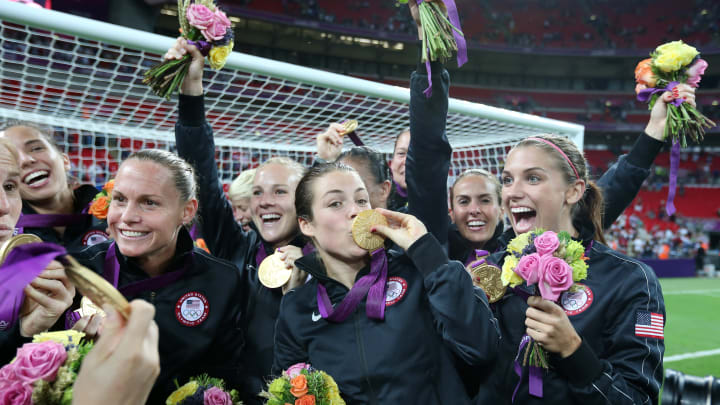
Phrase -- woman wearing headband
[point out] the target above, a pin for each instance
(53, 208)
(273, 216)
(153, 258)
(389, 327)
(598, 349)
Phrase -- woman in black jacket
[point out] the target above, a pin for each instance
(53, 208)
(273, 216)
(389, 327)
(153, 258)
(605, 340)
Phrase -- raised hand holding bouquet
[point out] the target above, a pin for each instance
(671, 67)
(203, 390)
(43, 372)
(553, 261)
(301, 384)
(203, 25)
(441, 34)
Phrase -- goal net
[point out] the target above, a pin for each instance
(83, 78)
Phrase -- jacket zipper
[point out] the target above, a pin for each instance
(361, 350)
(152, 297)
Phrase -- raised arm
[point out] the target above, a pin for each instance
(428, 159)
(194, 138)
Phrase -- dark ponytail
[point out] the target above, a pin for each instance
(592, 206)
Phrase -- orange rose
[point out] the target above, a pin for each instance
(299, 386)
(200, 242)
(99, 207)
(644, 74)
(306, 400)
(109, 186)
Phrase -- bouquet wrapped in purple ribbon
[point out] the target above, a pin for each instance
(203, 25)
(441, 33)
(671, 65)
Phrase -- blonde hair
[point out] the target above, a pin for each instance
(241, 187)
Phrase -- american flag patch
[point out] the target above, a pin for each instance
(192, 303)
(649, 324)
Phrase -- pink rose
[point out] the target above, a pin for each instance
(7, 373)
(695, 71)
(294, 370)
(555, 277)
(15, 393)
(39, 361)
(217, 29)
(546, 243)
(199, 16)
(216, 396)
(529, 268)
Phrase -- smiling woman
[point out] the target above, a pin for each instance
(53, 208)
(273, 216)
(47, 296)
(153, 258)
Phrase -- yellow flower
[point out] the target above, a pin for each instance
(519, 243)
(672, 56)
(278, 386)
(64, 337)
(579, 269)
(333, 392)
(181, 393)
(573, 251)
(219, 54)
(508, 276)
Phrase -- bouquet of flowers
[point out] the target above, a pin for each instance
(44, 371)
(101, 202)
(441, 33)
(671, 64)
(554, 262)
(303, 385)
(203, 390)
(203, 25)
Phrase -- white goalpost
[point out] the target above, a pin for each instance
(83, 78)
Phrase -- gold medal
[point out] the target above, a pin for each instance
(273, 272)
(361, 226)
(87, 308)
(488, 278)
(95, 288)
(17, 240)
(350, 126)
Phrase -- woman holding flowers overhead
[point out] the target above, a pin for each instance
(273, 216)
(597, 315)
(53, 208)
(389, 327)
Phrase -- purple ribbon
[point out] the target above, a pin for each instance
(373, 284)
(674, 163)
(111, 273)
(478, 259)
(202, 46)
(401, 192)
(355, 138)
(462, 57)
(645, 94)
(535, 374)
(23, 264)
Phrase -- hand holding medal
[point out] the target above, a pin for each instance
(402, 229)
(278, 269)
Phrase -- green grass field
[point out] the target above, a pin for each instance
(693, 324)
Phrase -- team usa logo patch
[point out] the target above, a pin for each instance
(192, 309)
(94, 237)
(577, 302)
(396, 289)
